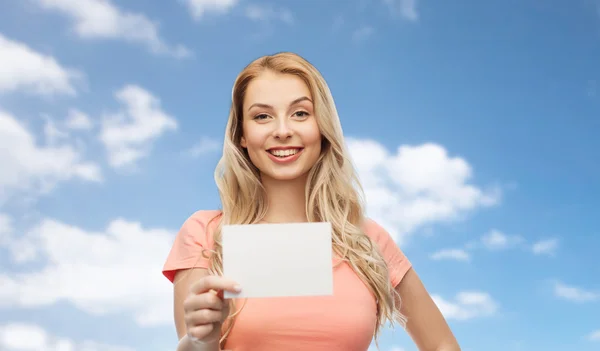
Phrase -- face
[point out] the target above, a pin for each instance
(280, 130)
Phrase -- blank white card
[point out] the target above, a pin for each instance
(276, 260)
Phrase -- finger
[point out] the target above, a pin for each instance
(200, 331)
(203, 317)
(215, 283)
(220, 294)
(203, 301)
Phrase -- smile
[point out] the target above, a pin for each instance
(284, 156)
(283, 152)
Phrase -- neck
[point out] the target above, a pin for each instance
(287, 202)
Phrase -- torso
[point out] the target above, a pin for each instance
(345, 321)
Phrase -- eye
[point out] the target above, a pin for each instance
(261, 116)
(301, 114)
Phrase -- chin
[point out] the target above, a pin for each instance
(285, 176)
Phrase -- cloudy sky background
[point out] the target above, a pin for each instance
(473, 126)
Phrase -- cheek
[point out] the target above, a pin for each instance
(252, 137)
(254, 143)
(254, 149)
(312, 136)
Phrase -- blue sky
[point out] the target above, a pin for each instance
(472, 125)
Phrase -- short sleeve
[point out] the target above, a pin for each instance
(398, 263)
(192, 245)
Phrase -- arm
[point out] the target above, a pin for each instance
(181, 286)
(185, 344)
(426, 325)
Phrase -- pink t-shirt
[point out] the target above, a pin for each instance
(345, 321)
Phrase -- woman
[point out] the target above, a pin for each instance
(284, 160)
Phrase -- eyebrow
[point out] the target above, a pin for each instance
(300, 99)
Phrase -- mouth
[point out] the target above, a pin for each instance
(283, 153)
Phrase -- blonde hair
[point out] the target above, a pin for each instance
(333, 191)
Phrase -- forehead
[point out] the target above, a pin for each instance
(275, 88)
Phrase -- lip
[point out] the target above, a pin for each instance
(285, 148)
(287, 159)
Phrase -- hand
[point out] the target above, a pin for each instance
(205, 309)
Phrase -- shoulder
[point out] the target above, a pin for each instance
(194, 237)
(201, 224)
(376, 231)
(205, 215)
(205, 218)
(398, 264)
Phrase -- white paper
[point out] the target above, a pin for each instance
(276, 260)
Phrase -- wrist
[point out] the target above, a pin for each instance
(190, 344)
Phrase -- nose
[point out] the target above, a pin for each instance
(283, 129)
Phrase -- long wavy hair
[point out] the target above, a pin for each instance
(333, 191)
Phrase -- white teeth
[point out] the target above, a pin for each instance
(284, 153)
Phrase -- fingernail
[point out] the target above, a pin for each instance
(237, 287)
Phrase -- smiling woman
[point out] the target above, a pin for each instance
(284, 160)
(281, 133)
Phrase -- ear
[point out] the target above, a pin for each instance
(243, 142)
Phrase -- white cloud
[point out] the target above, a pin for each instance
(54, 134)
(264, 13)
(205, 146)
(22, 249)
(77, 120)
(497, 240)
(467, 305)
(27, 166)
(199, 8)
(6, 228)
(594, 336)
(451, 254)
(23, 69)
(406, 9)
(545, 247)
(31, 337)
(575, 294)
(117, 270)
(128, 134)
(101, 19)
(416, 186)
